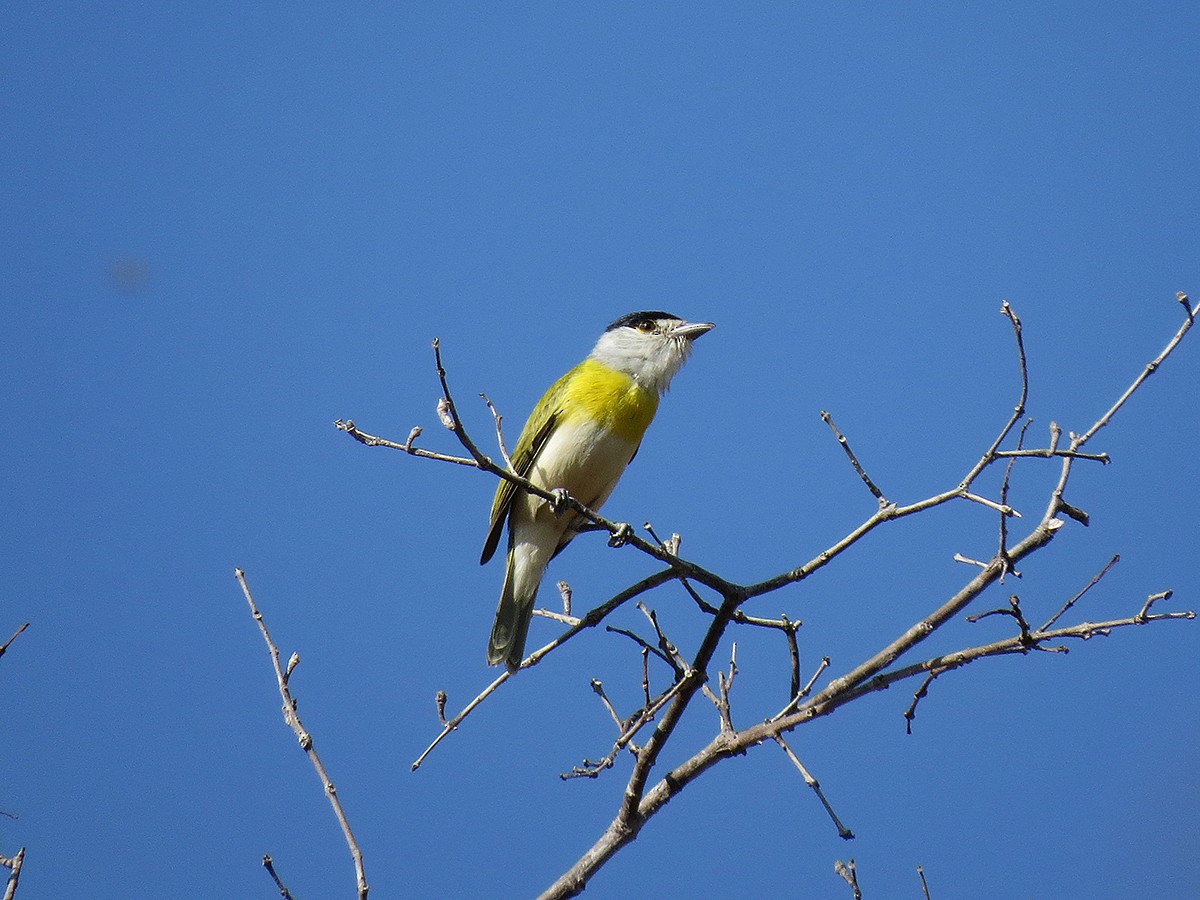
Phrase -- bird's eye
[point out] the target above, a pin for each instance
(645, 326)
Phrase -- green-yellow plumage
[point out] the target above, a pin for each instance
(590, 391)
(580, 437)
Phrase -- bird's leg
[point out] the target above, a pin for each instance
(559, 504)
(621, 535)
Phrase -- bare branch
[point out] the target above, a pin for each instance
(14, 864)
(1018, 644)
(991, 504)
(628, 730)
(452, 724)
(598, 688)
(292, 718)
(669, 651)
(499, 433)
(642, 798)
(890, 511)
(371, 440)
(625, 829)
(803, 692)
(1018, 410)
(646, 675)
(14, 873)
(1143, 615)
(1150, 369)
(4, 646)
(841, 439)
(847, 871)
(725, 684)
(641, 642)
(1003, 550)
(843, 832)
(1087, 587)
(592, 619)
(556, 616)
(918, 695)
(793, 653)
(1049, 453)
(269, 865)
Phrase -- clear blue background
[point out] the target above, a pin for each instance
(226, 226)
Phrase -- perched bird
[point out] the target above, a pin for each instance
(579, 438)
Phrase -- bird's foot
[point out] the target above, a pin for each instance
(620, 537)
(559, 503)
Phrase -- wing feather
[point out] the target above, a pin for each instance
(533, 438)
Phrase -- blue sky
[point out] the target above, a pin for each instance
(225, 227)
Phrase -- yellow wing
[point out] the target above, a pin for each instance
(533, 437)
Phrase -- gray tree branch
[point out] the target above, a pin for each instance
(642, 796)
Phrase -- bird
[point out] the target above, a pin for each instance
(579, 438)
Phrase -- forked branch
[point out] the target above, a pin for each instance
(642, 797)
(292, 718)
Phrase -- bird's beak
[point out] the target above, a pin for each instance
(692, 330)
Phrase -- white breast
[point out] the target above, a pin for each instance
(585, 459)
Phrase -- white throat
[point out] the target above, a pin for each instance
(650, 359)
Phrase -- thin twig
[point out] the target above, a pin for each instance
(1013, 611)
(628, 731)
(591, 619)
(269, 865)
(841, 439)
(918, 695)
(1143, 616)
(725, 684)
(1150, 369)
(371, 440)
(646, 674)
(1181, 297)
(641, 642)
(292, 718)
(1018, 410)
(499, 432)
(815, 675)
(452, 724)
(4, 646)
(803, 692)
(991, 504)
(556, 616)
(1050, 453)
(1116, 558)
(669, 651)
(843, 832)
(14, 875)
(793, 655)
(848, 873)
(598, 689)
(1003, 551)
(1006, 647)
(924, 885)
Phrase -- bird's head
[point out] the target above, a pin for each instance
(648, 346)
